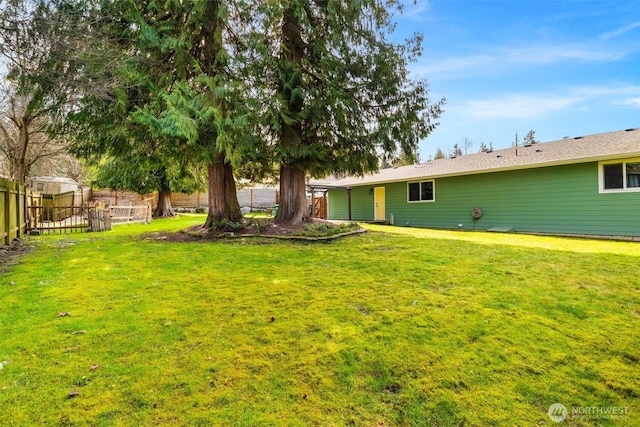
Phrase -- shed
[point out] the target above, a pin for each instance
(53, 184)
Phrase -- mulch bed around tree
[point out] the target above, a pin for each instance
(262, 227)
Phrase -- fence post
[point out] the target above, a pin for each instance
(19, 212)
(7, 213)
(99, 219)
(15, 212)
(28, 202)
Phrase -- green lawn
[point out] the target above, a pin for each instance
(394, 327)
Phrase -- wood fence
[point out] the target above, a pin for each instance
(265, 197)
(122, 198)
(319, 209)
(130, 214)
(22, 211)
(57, 207)
(13, 213)
(262, 198)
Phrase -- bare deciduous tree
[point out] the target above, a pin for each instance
(38, 59)
(467, 145)
(23, 137)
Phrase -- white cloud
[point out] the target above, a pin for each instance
(501, 58)
(620, 31)
(603, 92)
(517, 106)
(541, 105)
(553, 113)
(632, 102)
(558, 53)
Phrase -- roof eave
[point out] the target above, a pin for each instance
(550, 163)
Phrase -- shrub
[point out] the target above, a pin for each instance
(326, 229)
(227, 225)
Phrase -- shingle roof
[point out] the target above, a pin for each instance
(61, 179)
(604, 146)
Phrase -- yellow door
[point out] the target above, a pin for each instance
(378, 200)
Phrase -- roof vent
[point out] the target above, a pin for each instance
(538, 150)
(630, 129)
(499, 155)
(578, 137)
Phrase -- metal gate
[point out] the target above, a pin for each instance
(57, 219)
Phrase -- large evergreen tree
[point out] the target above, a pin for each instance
(338, 92)
(176, 100)
(174, 83)
(110, 119)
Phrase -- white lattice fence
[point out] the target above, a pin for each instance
(130, 214)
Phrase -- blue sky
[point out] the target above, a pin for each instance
(558, 67)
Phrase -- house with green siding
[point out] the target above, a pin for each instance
(583, 185)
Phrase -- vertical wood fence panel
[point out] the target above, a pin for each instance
(4, 197)
(13, 214)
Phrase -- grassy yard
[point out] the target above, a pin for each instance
(394, 327)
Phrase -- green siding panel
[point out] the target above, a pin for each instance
(361, 204)
(337, 204)
(556, 199)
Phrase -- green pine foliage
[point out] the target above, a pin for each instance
(530, 138)
(335, 89)
(341, 86)
(173, 107)
(318, 87)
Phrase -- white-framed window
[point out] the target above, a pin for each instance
(619, 175)
(421, 191)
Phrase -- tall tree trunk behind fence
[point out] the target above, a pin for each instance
(164, 208)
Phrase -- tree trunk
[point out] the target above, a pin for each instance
(293, 196)
(164, 209)
(19, 172)
(20, 168)
(223, 199)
